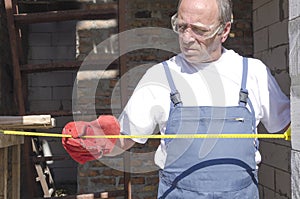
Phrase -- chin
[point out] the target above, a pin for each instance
(195, 59)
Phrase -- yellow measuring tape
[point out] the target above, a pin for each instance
(286, 135)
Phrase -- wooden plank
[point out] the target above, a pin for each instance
(70, 113)
(4, 172)
(10, 140)
(58, 66)
(27, 122)
(68, 65)
(16, 171)
(106, 11)
(2, 179)
(15, 56)
(97, 195)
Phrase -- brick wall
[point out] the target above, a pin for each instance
(76, 40)
(241, 39)
(52, 91)
(95, 176)
(271, 44)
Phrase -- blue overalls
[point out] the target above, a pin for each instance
(209, 168)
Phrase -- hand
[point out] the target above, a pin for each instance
(87, 149)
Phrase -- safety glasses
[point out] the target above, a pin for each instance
(201, 32)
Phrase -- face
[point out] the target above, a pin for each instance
(201, 33)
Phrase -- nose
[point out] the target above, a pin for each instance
(187, 36)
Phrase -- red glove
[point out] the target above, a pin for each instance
(87, 149)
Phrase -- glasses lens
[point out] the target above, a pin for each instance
(174, 23)
(200, 32)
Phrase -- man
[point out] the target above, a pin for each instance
(205, 89)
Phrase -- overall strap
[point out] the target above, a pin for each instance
(174, 95)
(244, 99)
(244, 92)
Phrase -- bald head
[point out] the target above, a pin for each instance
(224, 7)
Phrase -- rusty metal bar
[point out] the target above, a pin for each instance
(106, 11)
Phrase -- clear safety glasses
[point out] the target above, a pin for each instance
(202, 32)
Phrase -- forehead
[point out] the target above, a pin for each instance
(202, 11)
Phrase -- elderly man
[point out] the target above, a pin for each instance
(205, 89)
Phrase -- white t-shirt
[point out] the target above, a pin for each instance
(208, 84)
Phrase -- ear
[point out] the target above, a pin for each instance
(226, 32)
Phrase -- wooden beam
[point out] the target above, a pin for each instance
(10, 140)
(15, 56)
(67, 65)
(98, 195)
(4, 174)
(27, 122)
(106, 11)
(58, 66)
(124, 94)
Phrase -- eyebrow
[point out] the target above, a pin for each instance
(197, 24)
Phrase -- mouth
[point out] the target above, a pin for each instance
(189, 50)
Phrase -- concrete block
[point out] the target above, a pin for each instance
(41, 52)
(278, 58)
(266, 15)
(61, 173)
(64, 52)
(275, 155)
(261, 38)
(63, 39)
(284, 81)
(60, 93)
(44, 105)
(259, 3)
(295, 174)
(294, 55)
(39, 39)
(271, 194)
(295, 109)
(284, 9)
(39, 93)
(64, 26)
(53, 79)
(294, 9)
(278, 34)
(283, 183)
(266, 176)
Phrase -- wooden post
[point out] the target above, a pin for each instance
(124, 93)
(4, 174)
(16, 168)
(15, 56)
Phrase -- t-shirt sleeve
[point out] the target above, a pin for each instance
(147, 107)
(275, 104)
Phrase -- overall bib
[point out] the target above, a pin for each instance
(209, 168)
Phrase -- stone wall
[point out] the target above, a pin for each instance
(294, 52)
(271, 45)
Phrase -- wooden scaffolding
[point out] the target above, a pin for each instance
(15, 21)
